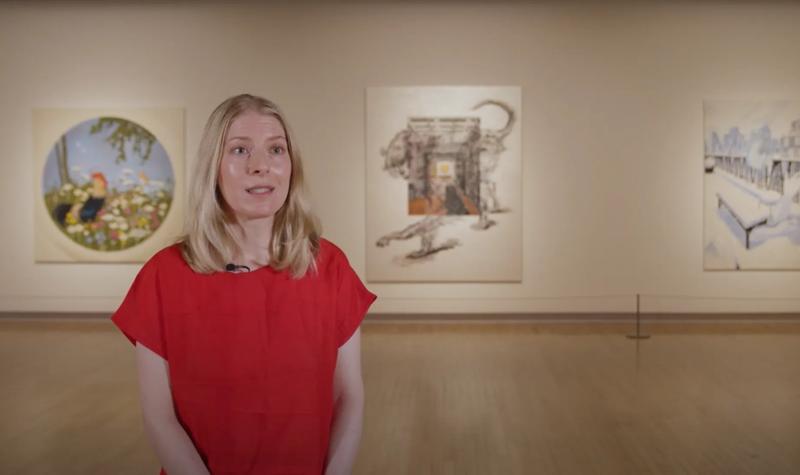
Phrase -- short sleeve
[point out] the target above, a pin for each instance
(352, 301)
(139, 317)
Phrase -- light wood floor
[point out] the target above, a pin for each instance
(454, 399)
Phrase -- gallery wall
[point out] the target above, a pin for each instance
(612, 128)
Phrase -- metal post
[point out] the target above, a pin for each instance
(638, 335)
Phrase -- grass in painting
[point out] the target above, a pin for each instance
(113, 222)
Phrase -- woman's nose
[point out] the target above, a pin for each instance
(258, 163)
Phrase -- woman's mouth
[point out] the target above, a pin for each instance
(260, 190)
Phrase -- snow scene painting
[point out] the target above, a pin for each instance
(107, 186)
(752, 185)
(443, 184)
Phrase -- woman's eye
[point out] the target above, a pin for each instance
(278, 150)
(239, 150)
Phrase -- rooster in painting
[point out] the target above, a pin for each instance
(85, 211)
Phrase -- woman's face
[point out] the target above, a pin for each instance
(255, 169)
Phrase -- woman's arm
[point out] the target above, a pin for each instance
(174, 449)
(348, 408)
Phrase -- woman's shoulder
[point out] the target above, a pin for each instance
(169, 257)
(327, 247)
(331, 258)
(329, 252)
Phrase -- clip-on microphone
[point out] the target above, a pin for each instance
(236, 267)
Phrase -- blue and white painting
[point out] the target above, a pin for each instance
(751, 172)
(107, 184)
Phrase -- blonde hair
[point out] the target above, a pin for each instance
(210, 239)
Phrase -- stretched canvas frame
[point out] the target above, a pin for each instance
(444, 188)
(50, 242)
(751, 180)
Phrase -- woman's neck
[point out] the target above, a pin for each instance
(255, 236)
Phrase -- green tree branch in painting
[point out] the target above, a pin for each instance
(124, 132)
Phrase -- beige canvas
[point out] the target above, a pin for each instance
(109, 183)
(752, 185)
(443, 184)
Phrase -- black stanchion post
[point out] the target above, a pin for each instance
(638, 335)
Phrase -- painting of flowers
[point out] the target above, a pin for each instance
(107, 186)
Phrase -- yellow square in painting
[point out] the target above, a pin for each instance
(444, 169)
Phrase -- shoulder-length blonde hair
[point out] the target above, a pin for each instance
(210, 239)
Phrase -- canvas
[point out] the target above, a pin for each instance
(752, 185)
(443, 184)
(109, 183)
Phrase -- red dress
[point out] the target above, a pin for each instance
(251, 355)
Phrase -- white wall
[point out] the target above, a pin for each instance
(612, 127)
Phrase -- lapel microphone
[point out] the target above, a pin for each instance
(236, 268)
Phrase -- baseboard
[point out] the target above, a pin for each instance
(619, 317)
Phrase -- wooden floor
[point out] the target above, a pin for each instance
(455, 399)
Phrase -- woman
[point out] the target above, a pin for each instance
(246, 331)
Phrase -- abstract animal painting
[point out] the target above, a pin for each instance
(443, 184)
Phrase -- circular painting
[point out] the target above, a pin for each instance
(108, 184)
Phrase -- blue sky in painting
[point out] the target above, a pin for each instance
(89, 153)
